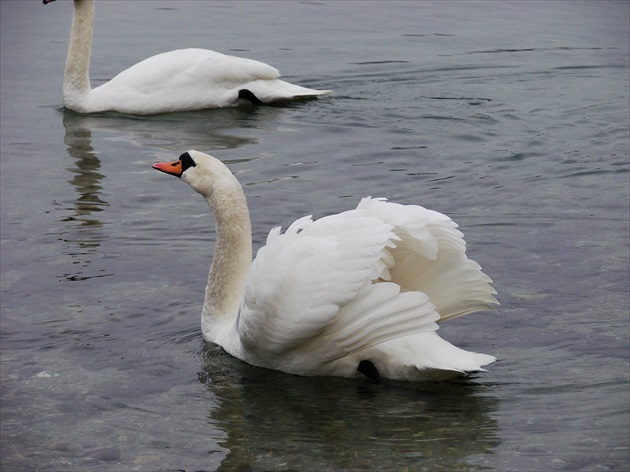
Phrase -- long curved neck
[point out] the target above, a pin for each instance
(76, 82)
(232, 258)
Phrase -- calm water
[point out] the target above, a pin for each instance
(512, 117)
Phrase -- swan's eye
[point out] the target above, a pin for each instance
(186, 161)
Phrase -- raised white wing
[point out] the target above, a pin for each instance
(431, 258)
(332, 287)
(311, 289)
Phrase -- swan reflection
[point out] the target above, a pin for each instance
(87, 178)
(275, 421)
(175, 131)
(82, 231)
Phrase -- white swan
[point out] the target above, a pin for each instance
(181, 80)
(355, 293)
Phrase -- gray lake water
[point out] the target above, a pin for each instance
(511, 117)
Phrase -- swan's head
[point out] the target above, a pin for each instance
(202, 172)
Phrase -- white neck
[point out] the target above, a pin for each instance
(76, 82)
(231, 262)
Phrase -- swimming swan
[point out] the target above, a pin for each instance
(185, 79)
(359, 292)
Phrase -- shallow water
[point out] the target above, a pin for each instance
(511, 117)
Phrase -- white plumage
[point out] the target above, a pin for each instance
(365, 285)
(181, 80)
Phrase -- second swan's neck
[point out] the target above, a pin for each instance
(76, 82)
(231, 261)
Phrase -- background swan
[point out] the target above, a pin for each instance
(185, 79)
(355, 293)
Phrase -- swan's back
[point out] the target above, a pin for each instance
(193, 65)
(184, 79)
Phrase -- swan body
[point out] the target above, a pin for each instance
(359, 292)
(180, 80)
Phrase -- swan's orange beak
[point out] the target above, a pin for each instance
(173, 168)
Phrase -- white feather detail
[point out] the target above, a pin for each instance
(301, 278)
(431, 257)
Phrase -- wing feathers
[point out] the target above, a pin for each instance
(299, 281)
(378, 313)
(359, 327)
(335, 286)
(431, 258)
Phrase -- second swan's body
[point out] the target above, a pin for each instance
(181, 80)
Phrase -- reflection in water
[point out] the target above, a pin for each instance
(275, 421)
(87, 178)
(86, 236)
(175, 132)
